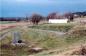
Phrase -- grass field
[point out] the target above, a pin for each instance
(55, 27)
(6, 22)
(47, 40)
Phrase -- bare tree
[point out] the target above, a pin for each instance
(52, 15)
(36, 18)
(69, 15)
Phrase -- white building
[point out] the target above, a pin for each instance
(58, 21)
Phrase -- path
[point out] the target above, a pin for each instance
(4, 27)
(56, 32)
(2, 36)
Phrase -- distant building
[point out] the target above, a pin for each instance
(58, 21)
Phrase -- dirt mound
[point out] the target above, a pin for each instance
(74, 51)
(80, 51)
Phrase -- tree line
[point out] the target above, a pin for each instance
(36, 18)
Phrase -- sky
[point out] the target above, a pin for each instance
(22, 8)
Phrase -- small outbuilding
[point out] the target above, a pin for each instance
(58, 21)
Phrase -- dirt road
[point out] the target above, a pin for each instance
(7, 26)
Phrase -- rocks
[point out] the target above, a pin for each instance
(80, 51)
(18, 44)
(35, 50)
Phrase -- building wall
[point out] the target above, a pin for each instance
(58, 21)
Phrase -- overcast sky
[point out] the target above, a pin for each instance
(14, 8)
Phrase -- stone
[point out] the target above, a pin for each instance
(35, 50)
(16, 37)
(18, 44)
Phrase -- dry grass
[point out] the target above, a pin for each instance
(54, 27)
(46, 40)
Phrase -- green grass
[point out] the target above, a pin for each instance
(55, 27)
(46, 40)
(52, 41)
(6, 22)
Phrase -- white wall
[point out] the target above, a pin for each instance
(58, 20)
